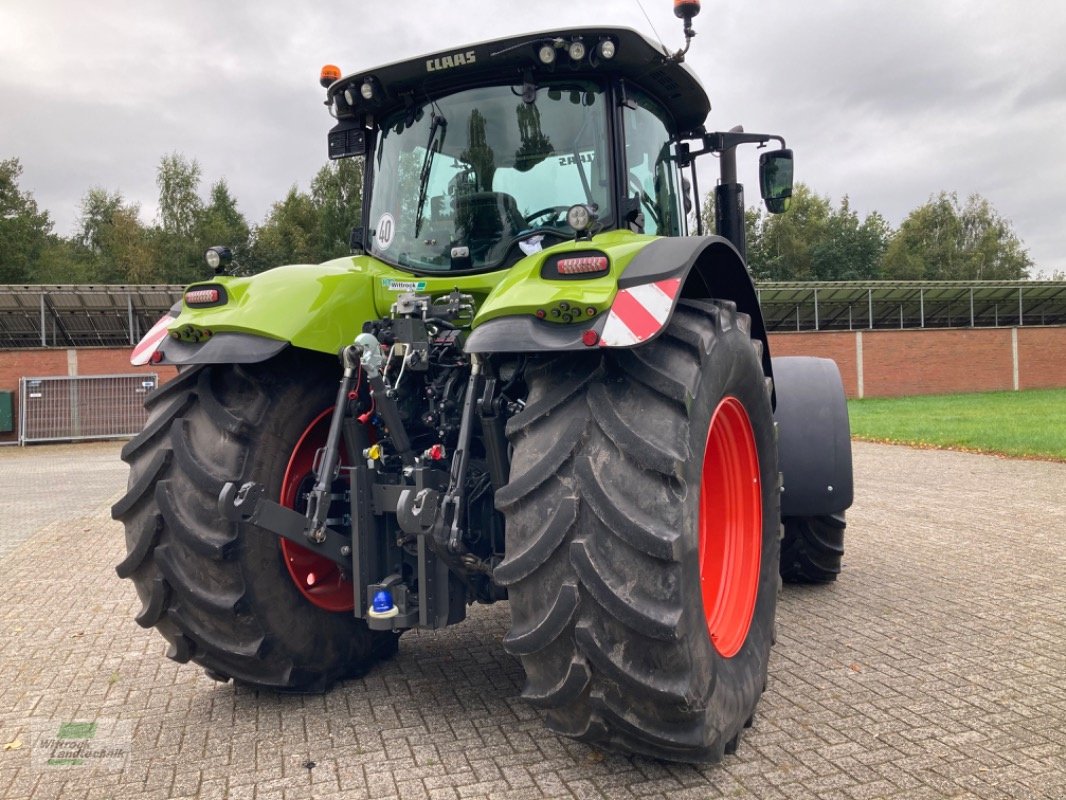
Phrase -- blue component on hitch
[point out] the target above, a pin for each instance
(382, 606)
(383, 602)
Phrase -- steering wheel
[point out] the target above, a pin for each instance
(552, 213)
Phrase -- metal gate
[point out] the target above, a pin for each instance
(84, 407)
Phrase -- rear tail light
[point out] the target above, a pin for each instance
(204, 296)
(200, 296)
(582, 265)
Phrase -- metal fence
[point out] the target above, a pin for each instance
(86, 407)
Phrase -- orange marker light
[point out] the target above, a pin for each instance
(330, 73)
(686, 9)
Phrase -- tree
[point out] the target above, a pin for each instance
(220, 223)
(129, 244)
(337, 195)
(62, 261)
(97, 209)
(812, 240)
(24, 231)
(180, 214)
(850, 249)
(289, 235)
(115, 245)
(944, 240)
(180, 206)
(782, 247)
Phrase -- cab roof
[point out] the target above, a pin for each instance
(414, 81)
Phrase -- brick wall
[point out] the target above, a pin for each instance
(909, 362)
(839, 346)
(1041, 358)
(872, 363)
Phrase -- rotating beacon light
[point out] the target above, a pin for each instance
(329, 73)
(686, 10)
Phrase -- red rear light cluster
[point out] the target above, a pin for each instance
(582, 265)
(201, 297)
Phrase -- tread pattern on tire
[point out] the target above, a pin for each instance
(218, 592)
(595, 501)
(813, 548)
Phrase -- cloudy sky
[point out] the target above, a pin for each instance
(885, 102)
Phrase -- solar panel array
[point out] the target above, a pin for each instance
(911, 304)
(81, 316)
(118, 315)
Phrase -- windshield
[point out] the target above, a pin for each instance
(476, 179)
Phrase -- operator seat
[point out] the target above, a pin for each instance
(486, 222)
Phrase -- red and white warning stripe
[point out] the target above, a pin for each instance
(638, 313)
(142, 353)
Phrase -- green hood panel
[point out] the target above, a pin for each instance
(323, 307)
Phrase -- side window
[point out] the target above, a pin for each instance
(651, 172)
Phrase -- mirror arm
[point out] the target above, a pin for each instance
(720, 141)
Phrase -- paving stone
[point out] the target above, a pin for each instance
(934, 668)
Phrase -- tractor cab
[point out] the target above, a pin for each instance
(478, 157)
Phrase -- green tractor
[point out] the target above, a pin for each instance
(529, 382)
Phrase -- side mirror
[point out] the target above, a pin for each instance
(775, 179)
(355, 240)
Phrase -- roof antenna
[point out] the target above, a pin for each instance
(652, 26)
(686, 10)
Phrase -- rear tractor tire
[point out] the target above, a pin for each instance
(225, 595)
(812, 549)
(643, 533)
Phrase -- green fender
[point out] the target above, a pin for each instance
(689, 267)
(319, 307)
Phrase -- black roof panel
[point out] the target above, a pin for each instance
(637, 59)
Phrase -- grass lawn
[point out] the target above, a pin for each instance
(1028, 424)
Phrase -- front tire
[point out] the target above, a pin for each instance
(220, 592)
(636, 628)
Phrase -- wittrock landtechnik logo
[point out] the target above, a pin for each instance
(101, 744)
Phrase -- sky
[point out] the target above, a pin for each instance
(887, 103)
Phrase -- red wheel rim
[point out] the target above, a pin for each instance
(317, 578)
(730, 527)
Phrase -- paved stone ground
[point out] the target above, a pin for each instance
(935, 667)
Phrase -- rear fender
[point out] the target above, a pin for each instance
(318, 307)
(814, 437)
(663, 272)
